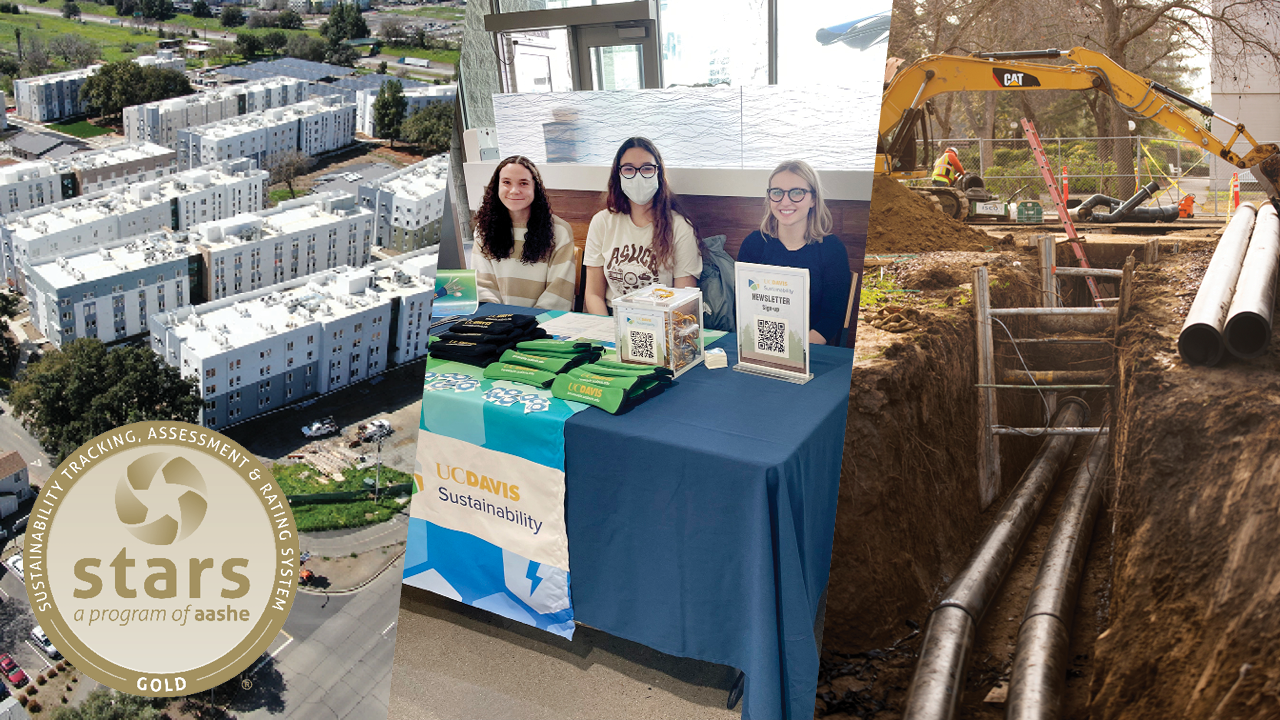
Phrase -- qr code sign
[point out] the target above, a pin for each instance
(642, 344)
(771, 336)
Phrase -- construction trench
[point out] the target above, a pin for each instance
(1176, 610)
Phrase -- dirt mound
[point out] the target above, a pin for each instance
(904, 222)
(949, 270)
(1197, 507)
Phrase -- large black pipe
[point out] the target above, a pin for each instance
(935, 687)
(1039, 678)
(1127, 210)
(1248, 329)
(1200, 340)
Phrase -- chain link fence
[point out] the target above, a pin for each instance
(1115, 167)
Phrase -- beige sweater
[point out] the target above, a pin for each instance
(546, 285)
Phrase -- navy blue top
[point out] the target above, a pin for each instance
(829, 276)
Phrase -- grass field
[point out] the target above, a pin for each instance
(437, 13)
(444, 56)
(112, 39)
(80, 129)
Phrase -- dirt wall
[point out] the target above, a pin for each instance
(1195, 610)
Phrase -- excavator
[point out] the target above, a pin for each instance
(904, 113)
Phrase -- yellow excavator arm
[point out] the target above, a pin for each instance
(905, 96)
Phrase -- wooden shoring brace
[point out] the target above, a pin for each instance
(988, 442)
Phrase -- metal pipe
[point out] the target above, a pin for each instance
(1248, 328)
(1052, 376)
(1038, 432)
(1200, 340)
(1099, 272)
(1039, 676)
(936, 686)
(1053, 311)
(1084, 211)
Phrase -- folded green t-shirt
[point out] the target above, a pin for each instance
(519, 373)
(549, 363)
(558, 347)
(609, 399)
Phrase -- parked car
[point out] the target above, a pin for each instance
(12, 671)
(320, 428)
(375, 430)
(46, 645)
(14, 563)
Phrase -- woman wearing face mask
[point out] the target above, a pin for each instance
(641, 238)
(795, 232)
(523, 254)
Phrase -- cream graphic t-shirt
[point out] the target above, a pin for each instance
(626, 253)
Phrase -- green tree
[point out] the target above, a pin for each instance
(430, 128)
(248, 44)
(70, 10)
(232, 16)
(388, 110)
(9, 66)
(200, 9)
(83, 390)
(340, 53)
(345, 23)
(289, 20)
(120, 84)
(275, 40)
(156, 9)
(382, 68)
(306, 47)
(105, 704)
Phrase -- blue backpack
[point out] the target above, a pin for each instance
(717, 284)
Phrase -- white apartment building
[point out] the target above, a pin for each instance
(313, 127)
(165, 58)
(409, 204)
(296, 238)
(48, 98)
(257, 352)
(109, 292)
(29, 185)
(415, 99)
(159, 122)
(39, 182)
(177, 202)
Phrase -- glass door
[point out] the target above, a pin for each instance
(617, 57)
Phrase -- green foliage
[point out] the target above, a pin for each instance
(275, 40)
(81, 128)
(306, 47)
(200, 9)
(382, 68)
(76, 393)
(156, 9)
(70, 10)
(335, 516)
(121, 84)
(289, 20)
(878, 290)
(345, 23)
(389, 109)
(341, 54)
(431, 128)
(303, 479)
(232, 16)
(248, 44)
(105, 704)
(9, 66)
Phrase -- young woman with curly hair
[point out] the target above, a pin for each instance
(641, 238)
(523, 255)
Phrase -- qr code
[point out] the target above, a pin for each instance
(771, 336)
(642, 345)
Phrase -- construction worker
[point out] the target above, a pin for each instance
(947, 169)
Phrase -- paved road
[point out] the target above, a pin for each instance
(337, 662)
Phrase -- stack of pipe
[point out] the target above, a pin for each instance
(1232, 310)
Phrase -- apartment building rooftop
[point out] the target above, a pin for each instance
(232, 127)
(419, 180)
(117, 155)
(294, 216)
(242, 320)
(59, 77)
(112, 260)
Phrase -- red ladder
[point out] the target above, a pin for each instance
(1037, 148)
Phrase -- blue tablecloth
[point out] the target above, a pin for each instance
(700, 523)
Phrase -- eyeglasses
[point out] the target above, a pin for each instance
(796, 194)
(646, 171)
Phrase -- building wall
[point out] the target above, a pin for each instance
(160, 122)
(48, 98)
(28, 185)
(1246, 91)
(326, 129)
(123, 174)
(415, 100)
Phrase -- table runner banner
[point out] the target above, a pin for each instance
(487, 519)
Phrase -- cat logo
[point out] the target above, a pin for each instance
(1010, 79)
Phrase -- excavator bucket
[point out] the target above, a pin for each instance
(1264, 162)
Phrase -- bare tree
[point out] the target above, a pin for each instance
(35, 57)
(287, 166)
(395, 30)
(75, 50)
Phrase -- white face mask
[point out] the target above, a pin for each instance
(640, 190)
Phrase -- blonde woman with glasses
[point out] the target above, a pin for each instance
(796, 232)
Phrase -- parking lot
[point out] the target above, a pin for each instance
(17, 620)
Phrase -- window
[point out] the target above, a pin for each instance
(210, 389)
(211, 372)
